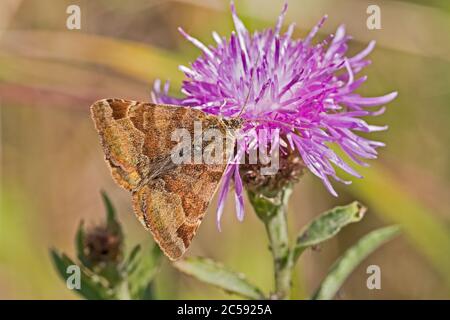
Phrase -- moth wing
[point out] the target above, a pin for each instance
(169, 199)
(173, 205)
(121, 141)
(137, 137)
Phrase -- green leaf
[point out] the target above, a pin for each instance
(111, 216)
(148, 292)
(90, 288)
(342, 268)
(267, 203)
(141, 269)
(327, 225)
(133, 259)
(110, 210)
(386, 196)
(79, 245)
(213, 273)
(110, 271)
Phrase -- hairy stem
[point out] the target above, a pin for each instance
(272, 212)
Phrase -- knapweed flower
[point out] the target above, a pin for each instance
(273, 81)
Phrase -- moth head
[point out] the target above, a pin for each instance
(234, 123)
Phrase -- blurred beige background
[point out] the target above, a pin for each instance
(52, 167)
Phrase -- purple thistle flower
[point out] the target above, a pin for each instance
(275, 82)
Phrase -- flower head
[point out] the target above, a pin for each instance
(103, 245)
(272, 81)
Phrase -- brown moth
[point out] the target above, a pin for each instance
(169, 199)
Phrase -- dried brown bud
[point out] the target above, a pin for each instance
(102, 245)
(291, 168)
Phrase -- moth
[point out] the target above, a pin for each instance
(170, 200)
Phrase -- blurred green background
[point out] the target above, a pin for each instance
(52, 167)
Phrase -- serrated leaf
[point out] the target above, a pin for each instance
(142, 271)
(327, 225)
(345, 265)
(216, 274)
(89, 288)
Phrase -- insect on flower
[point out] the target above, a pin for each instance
(273, 81)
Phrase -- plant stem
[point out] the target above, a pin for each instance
(123, 292)
(276, 228)
(272, 212)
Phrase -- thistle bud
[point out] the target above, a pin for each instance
(103, 245)
(291, 168)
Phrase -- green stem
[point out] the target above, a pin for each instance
(123, 293)
(272, 212)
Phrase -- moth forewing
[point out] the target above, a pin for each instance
(169, 199)
(121, 142)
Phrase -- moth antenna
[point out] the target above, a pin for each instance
(272, 120)
(249, 89)
(245, 102)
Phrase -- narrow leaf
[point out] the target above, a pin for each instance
(89, 287)
(111, 216)
(387, 196)
(345, 265)
(79, 245)
(141, 269)
(148, 293)
(133, 259)
(327, 225)
(213, 273)
(110, 271)
(110, 210)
